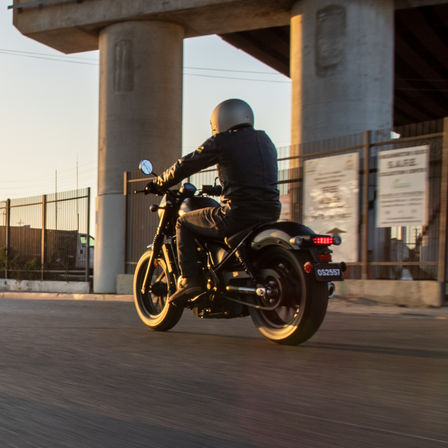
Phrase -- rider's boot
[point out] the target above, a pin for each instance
(189, 287)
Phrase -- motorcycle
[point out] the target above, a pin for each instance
(278, 273)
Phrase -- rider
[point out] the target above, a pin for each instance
(247, 167)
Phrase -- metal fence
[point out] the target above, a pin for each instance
(46, 237)
(398, 252)
(141, 224)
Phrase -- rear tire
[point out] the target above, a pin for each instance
(153, 307)
(302, 300)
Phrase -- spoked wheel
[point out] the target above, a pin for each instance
(152, 307)
(300, 303)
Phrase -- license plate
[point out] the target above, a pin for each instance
(326, 272)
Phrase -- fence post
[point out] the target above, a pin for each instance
(126, 209)
(7, 234)
(365, 208)
(87, 272)
(441, 274)
(43, 242)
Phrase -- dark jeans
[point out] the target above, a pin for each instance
(209, 222)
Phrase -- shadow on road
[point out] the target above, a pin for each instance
(394, 351)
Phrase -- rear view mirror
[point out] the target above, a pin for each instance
(145, 167)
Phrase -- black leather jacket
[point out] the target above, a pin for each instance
(247, 168)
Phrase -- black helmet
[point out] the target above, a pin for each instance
(231, 113)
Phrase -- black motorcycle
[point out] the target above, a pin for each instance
(278, 273)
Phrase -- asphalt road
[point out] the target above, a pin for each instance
(89, 374)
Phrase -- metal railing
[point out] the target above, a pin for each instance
(399, 252)
(46, 237)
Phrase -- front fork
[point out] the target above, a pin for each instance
(168, 252)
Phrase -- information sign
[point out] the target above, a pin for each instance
(402, 187)
(331, 188)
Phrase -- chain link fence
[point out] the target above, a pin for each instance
(46, 237)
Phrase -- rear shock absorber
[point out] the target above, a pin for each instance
(241, 256)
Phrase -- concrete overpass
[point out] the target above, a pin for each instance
(339, 55)
(420, 62)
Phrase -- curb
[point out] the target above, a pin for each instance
(66, 296)
(345, 305)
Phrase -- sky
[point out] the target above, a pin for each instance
(49, 107)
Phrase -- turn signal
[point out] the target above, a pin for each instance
(297, 240)
(308, 267)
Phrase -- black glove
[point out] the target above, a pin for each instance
(154, 188)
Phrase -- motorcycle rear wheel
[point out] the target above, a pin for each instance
(302, 301)
(153, 307)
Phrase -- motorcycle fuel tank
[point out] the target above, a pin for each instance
(196, 203)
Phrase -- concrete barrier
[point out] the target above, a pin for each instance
(44, 286)
(396, 292)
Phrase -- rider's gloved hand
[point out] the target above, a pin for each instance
(154, 188)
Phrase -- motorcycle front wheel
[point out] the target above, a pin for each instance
(153, 307)
(302, 302)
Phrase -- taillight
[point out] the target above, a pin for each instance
(323, 240)
(308, 267)
(319, 240)
(327, 240)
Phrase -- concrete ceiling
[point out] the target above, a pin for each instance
(421, 59)
(261, 28)
(73, 25)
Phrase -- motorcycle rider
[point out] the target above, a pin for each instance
(247, 168)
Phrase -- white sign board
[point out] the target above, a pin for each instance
(402, 187)
(331, 189)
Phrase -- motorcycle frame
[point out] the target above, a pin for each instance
(170, 253)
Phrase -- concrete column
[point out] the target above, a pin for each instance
(140, 117)
(341, 67)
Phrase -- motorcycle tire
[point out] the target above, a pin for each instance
(302, 301)
(153, 307)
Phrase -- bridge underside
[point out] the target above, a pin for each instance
(262, 29)
(421, 62)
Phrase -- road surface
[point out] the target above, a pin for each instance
(89, 374)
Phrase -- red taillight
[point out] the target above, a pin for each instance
(323, 240)
(308, 267)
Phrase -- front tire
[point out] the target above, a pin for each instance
(302, 301)
(153, 307)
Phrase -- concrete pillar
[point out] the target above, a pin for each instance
(140, 117)
(341, 67)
